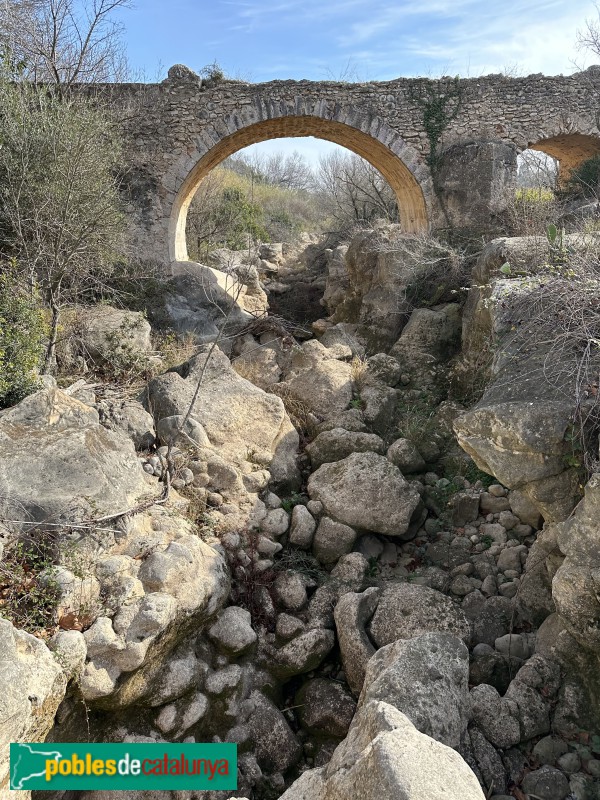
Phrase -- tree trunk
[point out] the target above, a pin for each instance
(50, 358)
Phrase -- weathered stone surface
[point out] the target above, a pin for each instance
(406, 610)
(57, 461)
(173, 431)
(488, 760)
(523, 445)
(34, 685)
(366, 492)
(496, 716)
(303, 653)
(326, 709)
(427, 678)
(318, 380)
(238, 417)
(404, 454)
(492, 620)
(431, 331)
(290, 590)
(352, 613)
(336, 444)
(131, 418)
(232, 632)
(302, 528)
(385, 756)
(546, 783)
(180, 583)
(575, 586)
(198, 297)
(275, 746)
(107, 333)
(332, 540)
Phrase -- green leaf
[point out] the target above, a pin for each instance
(505, 268)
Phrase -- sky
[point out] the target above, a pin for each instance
(355, 40)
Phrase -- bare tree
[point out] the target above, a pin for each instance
(275, 169)
(536, 170)
(354, 190)
(64, 41)
(588, 38)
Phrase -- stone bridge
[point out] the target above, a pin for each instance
(448, 147)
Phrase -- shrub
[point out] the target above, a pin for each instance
(584, 180)
(530, 211)
(23, 331)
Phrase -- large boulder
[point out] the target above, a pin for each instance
(576, 589)
(160, 583)
(366, 492)
(57, 461)
(386, 273)
(244, 423)
(351, 614)
(34, 685)
(385, 756)
(431, 337)
(336, 444)
(318, 381)
(427, 678)
(200, 300)
(108, 334)
(524, 444)
(521, 430)
(406, 610)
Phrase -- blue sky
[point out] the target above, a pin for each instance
(261, 40)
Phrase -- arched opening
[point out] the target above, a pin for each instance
(411, 201)
(569, 149)
(547, 183)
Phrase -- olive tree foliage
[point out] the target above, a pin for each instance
(353, 191)
(64, 41)
(60, 217)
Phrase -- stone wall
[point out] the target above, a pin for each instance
(180, 129)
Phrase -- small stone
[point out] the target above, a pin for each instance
(187, 475)
(404, 454)
(315, 507)
(267, 547)
(512, 644)
(275, 523)
(569, 763)
(593, 767)
(332, 541)
(213, 499)
(508, 520)
(461, 586)
(290, 590)
(496, 490)
(549, 749)
(496, 532)
(232, 632)
(302, 529)
(546, 783)
(272, 501)
(492, 505)
(508, 589)
(287, 626)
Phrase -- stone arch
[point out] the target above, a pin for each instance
(570, 150)
(368, 136)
